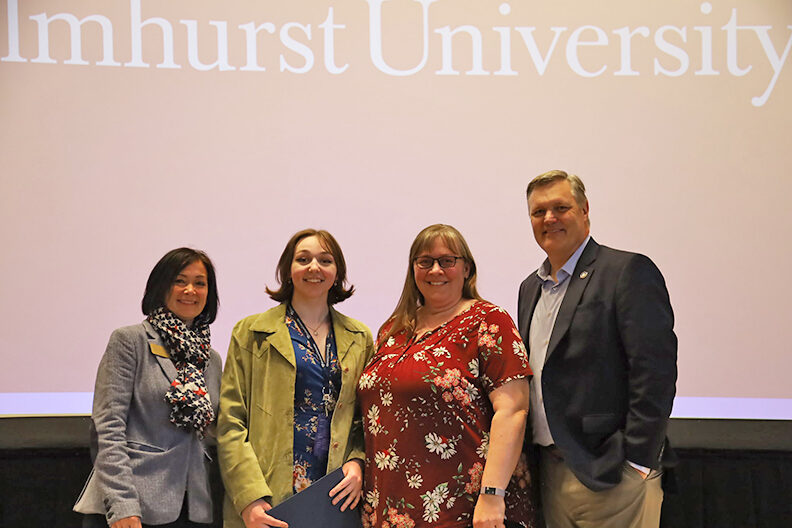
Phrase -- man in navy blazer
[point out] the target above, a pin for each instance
(599, 328)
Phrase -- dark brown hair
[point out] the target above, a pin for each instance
(165, 272)
(337, 292)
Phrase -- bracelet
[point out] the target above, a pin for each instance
(487, 490)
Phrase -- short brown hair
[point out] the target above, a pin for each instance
(337, 291)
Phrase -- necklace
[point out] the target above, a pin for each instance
(315, 331)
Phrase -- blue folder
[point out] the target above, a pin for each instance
(311, 508)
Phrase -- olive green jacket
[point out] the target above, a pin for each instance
(255, 428)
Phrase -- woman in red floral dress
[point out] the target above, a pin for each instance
(445, 400)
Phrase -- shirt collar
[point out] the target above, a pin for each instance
(567, 269)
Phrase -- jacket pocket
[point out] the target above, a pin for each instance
(142, 446)
(600, 423)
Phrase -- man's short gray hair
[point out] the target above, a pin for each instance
(575, 183)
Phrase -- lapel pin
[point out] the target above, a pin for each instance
(584, 274)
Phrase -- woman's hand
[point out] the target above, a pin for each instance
(350, 486)
(127, 522)
(255, 515)
(490, 512)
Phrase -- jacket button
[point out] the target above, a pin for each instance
(335, 445)
(339, 405)
(346, 369)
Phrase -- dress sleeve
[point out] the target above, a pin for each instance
(115, 380)
(242, 476)
(501, 354)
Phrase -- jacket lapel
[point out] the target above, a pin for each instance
(281, 341)
(344, 337)
(577, 285)
(279, 338)
(533, 289)
(158, 348)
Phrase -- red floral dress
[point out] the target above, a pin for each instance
(427, 419)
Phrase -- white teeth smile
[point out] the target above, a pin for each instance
(314, 280)
(437, 283)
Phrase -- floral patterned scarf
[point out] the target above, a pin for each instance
(189, 350)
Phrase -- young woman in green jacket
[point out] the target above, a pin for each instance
(287, 407)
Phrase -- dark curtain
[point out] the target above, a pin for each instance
(730, 489)
(715, 489)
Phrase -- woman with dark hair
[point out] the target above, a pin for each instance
(287, 407)
(156, 399)
(446, 399)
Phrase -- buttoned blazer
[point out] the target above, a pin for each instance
(144, 464)
(256, 425)
(609, 376)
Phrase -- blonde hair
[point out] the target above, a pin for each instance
(404, 316)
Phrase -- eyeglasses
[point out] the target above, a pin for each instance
(446, 261)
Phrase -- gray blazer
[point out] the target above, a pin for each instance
(144, 464)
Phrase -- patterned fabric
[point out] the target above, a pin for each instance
(316, 390)
(427, 420)
(189, 351)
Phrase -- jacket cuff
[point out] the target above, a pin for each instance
(356, 453)
(250, 494)
(121, 510)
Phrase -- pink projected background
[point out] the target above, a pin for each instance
(129, 127)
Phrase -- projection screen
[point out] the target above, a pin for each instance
(130, 127)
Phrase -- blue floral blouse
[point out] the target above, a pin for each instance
(315, 395)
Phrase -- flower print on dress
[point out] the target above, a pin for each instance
(483, 447)
(440, 445)
(456, 387)
(317, 382)
(420, 356)
(373, 420)
(398, 520)
(487, 340)
(450, 380)
(439, 412)
(387, 459)
(473, 367)
(433, 500)
(414, 481)
(518, 348)
(372, 497)
(475, 473)
(367, 380)
(441, 352)
(368, 517)
(300, 472)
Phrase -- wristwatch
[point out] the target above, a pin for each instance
(487, 490)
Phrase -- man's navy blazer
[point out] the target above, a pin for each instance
(610, 371)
